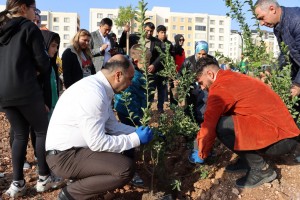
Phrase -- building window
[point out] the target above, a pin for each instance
(98, 23)
(174, 19)
(66, 28)
(221, 22)
(55, 19)
(173, 35)
(174, 27)
(221, 30)
(189, 28)
(99, 15)
(55, 28)
(166, 20)
(199, 19)
(111, 16)
(66, 36)
(188, 44)
(151, 17)
(181, 28)
(211, 37)
(212, 30)
(44, 18)
(190, 20)
(212, 22)
(189, 36)
(211, 45)
(200, 28)
(181, 19)
(66, 45)
(188, 52)
(67, 20)
(221, 46)
(221, 38)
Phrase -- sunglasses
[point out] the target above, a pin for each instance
(181, 40)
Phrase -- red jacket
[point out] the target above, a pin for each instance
(260, 117)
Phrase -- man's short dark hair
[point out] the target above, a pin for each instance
(106, 21)
(161, 28)
(120, 62)
(113, 35)
(150, 25)
(202, 63)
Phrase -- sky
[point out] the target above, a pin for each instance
(212, 7)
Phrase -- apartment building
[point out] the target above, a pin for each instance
(63, 23)
(194, 26)
(235, 45)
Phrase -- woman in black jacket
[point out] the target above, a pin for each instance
(77, 59)
(22, 58)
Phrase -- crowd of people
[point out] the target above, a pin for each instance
(76, 135)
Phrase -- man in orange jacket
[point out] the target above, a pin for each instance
(248, 117)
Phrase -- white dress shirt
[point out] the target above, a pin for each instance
(107, 55)
(83, 117)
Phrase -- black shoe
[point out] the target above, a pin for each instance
(239, 166)
(256, 177)
(62, 196)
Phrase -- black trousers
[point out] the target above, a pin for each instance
(93, 172)
(226, 134)
(20, 119)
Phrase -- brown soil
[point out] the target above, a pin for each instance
(199, 182)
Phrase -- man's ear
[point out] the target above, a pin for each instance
(118, 75)
(135, 61)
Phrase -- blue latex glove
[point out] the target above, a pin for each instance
(194, 157)
(145, 134)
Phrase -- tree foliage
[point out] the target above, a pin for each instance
(125, 16)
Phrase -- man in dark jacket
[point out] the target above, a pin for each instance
(285, 22)
(155, 65)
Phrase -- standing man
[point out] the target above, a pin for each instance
(286, 24)
(161, 82)
(248, 127)
(85, 140)
(102, 45)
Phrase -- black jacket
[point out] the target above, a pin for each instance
(22, 56)
(44, 79)
(72, 70)
(134, 39)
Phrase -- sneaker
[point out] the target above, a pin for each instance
(239, 166)
(137, 180)
(256, 177)
(15, 190)
(26, 166)
(48, 183)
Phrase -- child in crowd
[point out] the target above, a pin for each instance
(138, 98)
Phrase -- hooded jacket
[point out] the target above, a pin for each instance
(22, 56)
(44, 79)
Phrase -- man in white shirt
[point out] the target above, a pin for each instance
(85, 140)
(102, 45)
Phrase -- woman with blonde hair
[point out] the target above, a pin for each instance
(77, 59)
(23, 56)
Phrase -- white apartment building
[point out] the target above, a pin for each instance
(194, 26)
(63, 23)
(235, 45)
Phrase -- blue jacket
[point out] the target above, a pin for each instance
(138, 97)
(288, 31)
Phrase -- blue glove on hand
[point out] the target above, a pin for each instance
(145, 134)
(194, 157)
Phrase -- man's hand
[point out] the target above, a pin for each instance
(145, 134)
(151, 69)
(194, 157)
(295, 90)
(103, 47)
(126, 28)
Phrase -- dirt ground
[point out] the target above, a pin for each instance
(199, 182)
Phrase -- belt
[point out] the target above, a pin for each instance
(52, 152)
